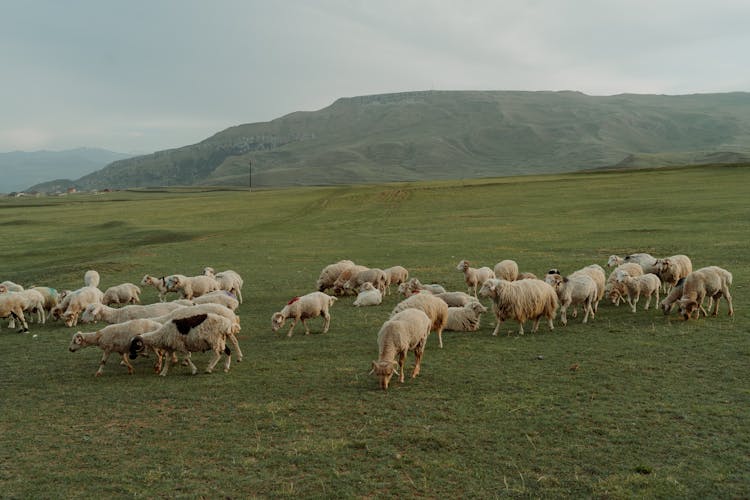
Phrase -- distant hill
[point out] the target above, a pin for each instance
(463, 134)
(20, 169)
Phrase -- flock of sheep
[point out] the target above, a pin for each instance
(204, 318)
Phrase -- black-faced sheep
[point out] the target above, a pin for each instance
(465, 318)
(303, 308)
(433, 307)
(199, 333)
(521, 300)
(474, 277)
(403, 332)
(712, 281)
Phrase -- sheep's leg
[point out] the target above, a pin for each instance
(564, 314)
(520, 327)
(22, 320)
(535, 324)
(193, 368)
(728, 298)
(497, 327)
(648, 302)
(294, 323)
(633, 302)
(239, 296)
(126, 362)
(587, 310)
(165, 364)
(440, 337)
(228, 361)
(103, 361)
(214, 359)
(401, 361)
(418, 353)
(235, 345)
(43, 315)
(326, 321)
(550, 322)
(307, 328)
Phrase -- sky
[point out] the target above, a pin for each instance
(137, 76)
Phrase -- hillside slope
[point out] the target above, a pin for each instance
(442, 135)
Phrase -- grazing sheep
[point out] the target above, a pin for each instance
(12, 305)
(415, 286)
(91, 278)
(228, 280)
(74, 303)
(368, 295)
(433, 307)
(100, 312)
(671, 269)
(115, 338)
(160, 284)
(466, 318)
(375, 276)
(635, 286)
(221, 297)
(344, 277)
(303, 308)
(674, 295)
(126, 293)
(521, 300)
(455, 299)
(615, 260)
(403, 332)
(51, 297)
(192, 286)
(616, 290)
(473, 276)
(712, 281)
(395, 275)
(647, 261)
(573, 290)
(506, 270)
(199, 333)
(331, 273)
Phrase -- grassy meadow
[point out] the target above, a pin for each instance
(658, 407)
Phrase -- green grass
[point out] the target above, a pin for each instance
(657, 408)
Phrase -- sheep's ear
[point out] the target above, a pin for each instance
(185, 324)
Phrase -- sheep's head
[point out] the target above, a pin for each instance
(614, 261)
(687, 308)
(147, 280)
(277, 321)
(462, 266)
(666, 307)
(477, 307)
(136, 346)
(621, 275)
(3, 289)
(384, 370)
(615, 296)
(76, 342)
(489, 288)
(209, 271)
(367, 286)
(552, 278)
(91, 313)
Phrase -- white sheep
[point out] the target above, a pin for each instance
(646, 261)
(331, 273)
(671, 269)
(100, 312)
(91, 278)
(115, 338)
(455, 299)
(616, 290)
(222, 297)
(374, 275)
(199, 333)
(506, 270)
(160, 284)
(712, 281)
(395, 275)
(303, 308)
(465, 318)
(521, 300)
(9, 286)
(74, 303)
(474, 277)
(125, 293)
(12, 305)
(228, 280)
(347, 274)
(192, 286)
(433, 307)
(596, 273)
(51, 297)
(403, 332)
(415, 286)
(635, 286)
(573, 290)
(674, 296)
(368, 296)
(615, 260)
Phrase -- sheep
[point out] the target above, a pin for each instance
(199, 333)
(331, 273)
(344, 277)
(126, 293)
(671, 269)
(615, 260)
(506, 270)
(647, 261)
(114, 338)
(222, 297)
(712, 281)
(74, 303)
(403, 332)
(596, 273)
(228, 280)
(433, 307)
(526, 276)
(9, 286)
(395, 275)
(375, 276)
(573, 290)
(51, 297)
(12, 305)
(455, 299)
(414, 285)
(615, 290)
(635, 286)
(474, 277)
(521, 300)
(674, 295)
(91, 278)
(466, 318)
(368, 296)
(303, 308)
(192, 286)
(100, 312)
(31, 301)
(159, 283)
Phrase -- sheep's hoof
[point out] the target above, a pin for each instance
(98, 374)
(208, 370)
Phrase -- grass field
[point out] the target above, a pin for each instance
(657, 408)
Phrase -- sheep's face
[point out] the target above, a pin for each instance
(621, 276)
(277, 321)
(76, 343)
(478, 308)
(367, 286)
(665, 307)
(3, 289)
(462, 266)
(687, 308)
(615, 296)
(489, 288)
(384, 370)
(613, 261)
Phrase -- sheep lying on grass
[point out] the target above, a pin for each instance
(115, 338)
(414, 286)
(404, 331)
(475, 277)
(521, 300)
(303, 308)
(573, 290)
(506, 270)
(368, 296)
(712, 281)
(433, 307)
(125, 293)
(347, 274)
(635, 286)
(374, 275)
(455, 299)
(199, 333)
(465, 318)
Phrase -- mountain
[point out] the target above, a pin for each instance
(22, 169)
(446, 134)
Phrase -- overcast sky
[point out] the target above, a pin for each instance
(146, 75)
